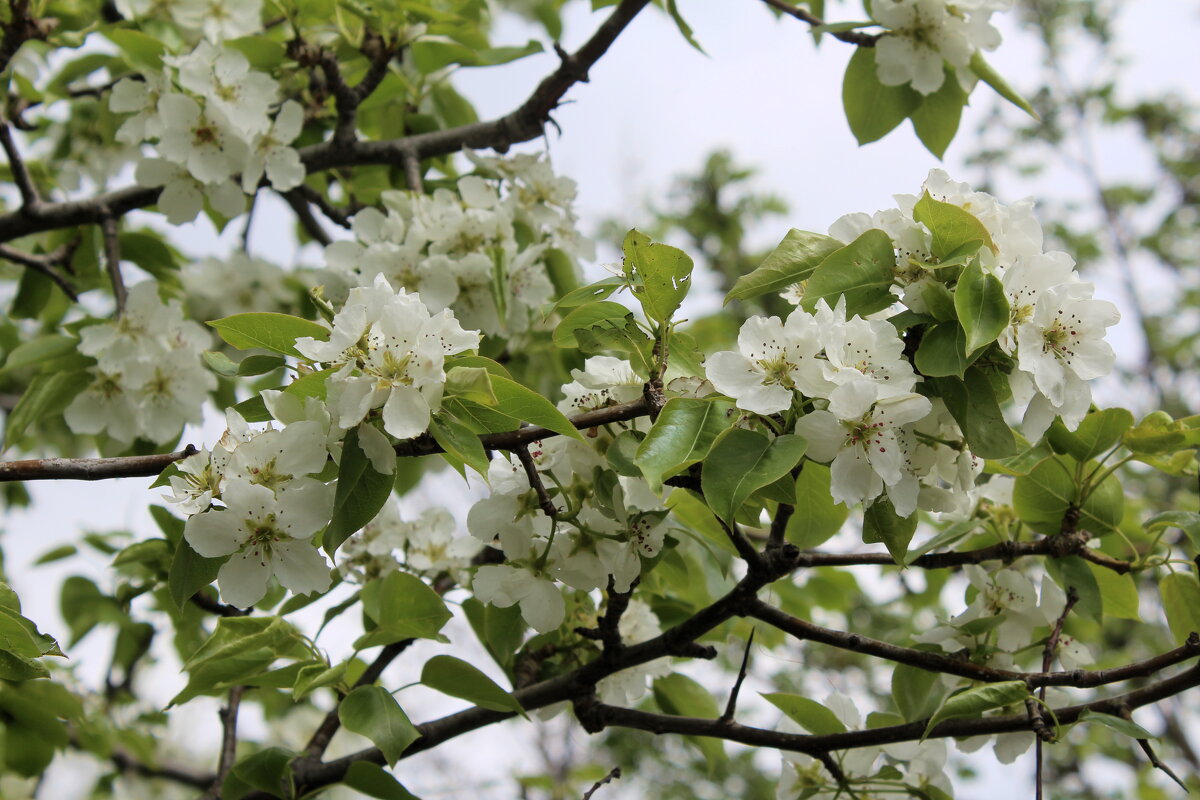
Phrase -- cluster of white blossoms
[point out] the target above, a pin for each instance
(855, 368)
(271, 505)
(923, 36)
(1056, 329)
(148, 381)
(216, 20)
(485, 249)
(388, 352)
(212, 117)
(427, 545)
(613, 525)
(921, 765)
(235, 284)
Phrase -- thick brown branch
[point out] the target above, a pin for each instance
(937, 662)
(90, 469)
(815, 745)
(522, 125)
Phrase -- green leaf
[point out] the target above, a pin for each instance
(807, 713)
(792, 261)
(943, 351)
(371, 711)
(952, 227)
(1099, 432)
(684, 29)
(46, 396)
(660, 275)
(17, 668)
(457, 678)
(275, 332)
(35, 351)
(522, 403)
(239, 649)
(1122, 726)
(743, 461)
(220, 363)
(680, 695)
(1042, 497)
(622, 451)
(403, 607)
(817, 516)
(936, 121)
(1157, 433)
(872, 109)
(593, 292)
(140, 50)
(1186, 521)
(974, 702)
(361, 493)
(152, 254)
(682, 435)
(1180, 593)
(862, 271)
(881, 523)
(459, 442)
(915, 691)
(500, 630)
(1072, 573)
(470, 383)
(374, 781)
(987, 73)
(259, 365)
(1119, 592)
(268, 771)
(973, 404)
(604, 314)
(981, 305)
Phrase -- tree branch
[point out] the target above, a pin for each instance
(329, 726)
(30, 199)
(43, 264)
(535, 481)
(229, 717)
(304, 215)
(90, 469)
(521, 125)
(949, 665)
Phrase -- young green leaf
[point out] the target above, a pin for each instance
(862, 271)
(936, 120)
(743, 461)
(792, 261)
(982, 307)
(402, 606)
(952, 227)
(943, 351)
(973, 404)
(457, 678)
(873, 109)
(974, 702)
(275, 332)
(526, 405)
(371, 711)
(1042, 497)
(661, 275)
(817, 516)
(987, 73)
(1180, 592)
(682, 435)
(360, 493)
(807, 713)
(881, 523)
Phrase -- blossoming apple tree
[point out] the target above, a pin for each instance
(917, 432)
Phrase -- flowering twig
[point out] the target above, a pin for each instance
(535, 481)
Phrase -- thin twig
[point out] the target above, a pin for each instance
(249, 222)
(30, 199)
(731, 706)
(42, 264)
(412, 170)
(1044, 734)
(310, 223)
(535, 481)
(229, 718)
(203, 601)
(613, 774)
(335, 215)
(112, 260)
